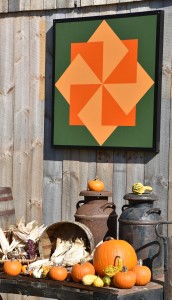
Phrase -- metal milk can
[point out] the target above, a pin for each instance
(97, 214)
(137, 225)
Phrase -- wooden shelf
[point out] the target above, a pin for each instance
(74, 291)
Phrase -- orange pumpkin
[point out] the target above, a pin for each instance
(24, 269)
(58, 273)
(108, 252)
(143, 273)
(81, 269)
(124, 279)
(12, 267)
(96, 185)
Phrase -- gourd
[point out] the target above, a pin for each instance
(98, 282)
(143, 273)
(12, 267)
(108, 253)
(58, 273)
(139, 188)
(88, 279)
(79, 270)
(106, 280)
(124, 279)
(96, 185)
(112, 270)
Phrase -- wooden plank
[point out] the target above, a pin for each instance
(135, 169)
(21, 159)
(49, 4)
(87, 167)
(37, 50)
(13, 5)
(52, 192)
(6, 101)
(37, 5)
(24, 5)
(67, 4)
(71, 186)
(119, 179)
(53, 157)
(105, 168)
(3, 6)
(167, 98)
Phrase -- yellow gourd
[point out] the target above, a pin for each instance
(98, 282)
(88, 279)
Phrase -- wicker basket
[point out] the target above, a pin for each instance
(65, 231)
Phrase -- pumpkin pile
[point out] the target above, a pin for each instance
(114, 263)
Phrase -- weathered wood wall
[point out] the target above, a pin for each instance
(46, 182)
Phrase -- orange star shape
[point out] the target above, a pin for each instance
(103, 83)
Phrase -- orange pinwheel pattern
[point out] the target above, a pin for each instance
(103, 83)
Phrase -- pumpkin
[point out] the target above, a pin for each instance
(108, 253)
(143, 273)
(79, 270)
(96, 185)
(12, 267)
(58, 273)
(124, 279)
(24, 269)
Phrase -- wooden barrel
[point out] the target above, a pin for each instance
(7, 211)
(64, 231)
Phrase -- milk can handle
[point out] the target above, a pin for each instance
(125, 206)
(154, 210)
(107, 205)
(157, 228)
(79, 202)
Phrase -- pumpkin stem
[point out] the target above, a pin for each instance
(124, 269)
(108, 238)
(82, 261)
(119, 262)
(140, 262)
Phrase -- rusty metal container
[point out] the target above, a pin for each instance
(97, 214)
(137, 225)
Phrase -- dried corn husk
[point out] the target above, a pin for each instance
(29, 231)
(7, 248)
(67, 253)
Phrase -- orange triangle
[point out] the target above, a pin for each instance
(126, 70)
(92, 53)
(79, 96)
(112, 114)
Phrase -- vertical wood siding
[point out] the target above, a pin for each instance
(46, 182)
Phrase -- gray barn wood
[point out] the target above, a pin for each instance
(45, 181)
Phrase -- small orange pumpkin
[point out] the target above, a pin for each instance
(108, 252)
(143, 273)
(96, 185)
(12, 267)
(58, 273)
(124, 279)
(81, 269)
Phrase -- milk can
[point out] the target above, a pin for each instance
(137, 225)
(97, 214)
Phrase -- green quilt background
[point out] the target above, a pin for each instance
(144, 29)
